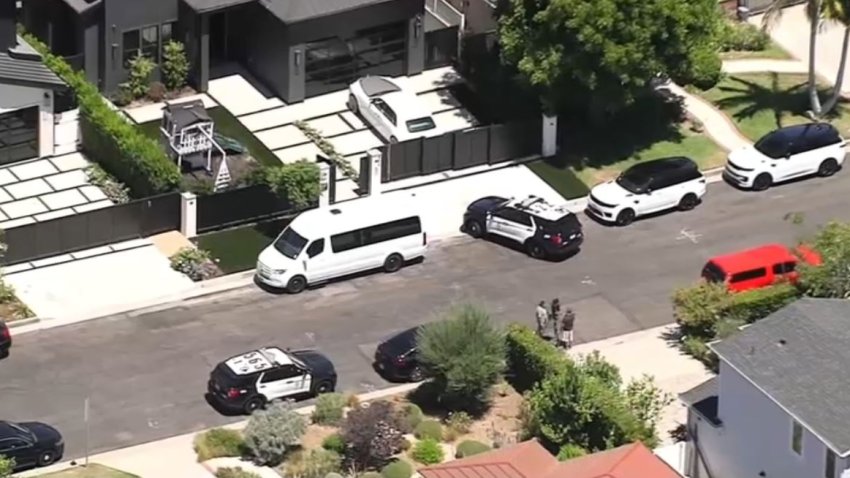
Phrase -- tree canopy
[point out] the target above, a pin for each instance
(609, 50)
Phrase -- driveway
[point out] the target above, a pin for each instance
(146, 374)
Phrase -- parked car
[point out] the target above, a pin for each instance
(785, 154)
(758, 267)
(396, 114)
(30, 444)
(5, 339)
(543, 229)
(396, 357)
(251, 380)
(647, 188)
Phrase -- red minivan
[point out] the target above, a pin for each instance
(758, 267)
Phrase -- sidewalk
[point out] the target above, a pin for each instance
(757, 65)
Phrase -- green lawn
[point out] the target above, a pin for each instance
(772, 52)
(237, 249)
(760, 102)
(92, 471)
(228, 125)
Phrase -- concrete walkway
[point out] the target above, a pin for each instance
(765, 65)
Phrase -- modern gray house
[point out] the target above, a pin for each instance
(297, 48)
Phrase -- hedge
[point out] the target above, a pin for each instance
(757, 304)
(469, 448)
(531, 358)
(110, 139)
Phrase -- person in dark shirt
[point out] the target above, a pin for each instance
(567, 325)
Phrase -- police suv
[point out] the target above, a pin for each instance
(544, 229)
(251, 380)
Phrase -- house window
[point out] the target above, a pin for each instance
(829, 467)
(148, 41)
(797, 438)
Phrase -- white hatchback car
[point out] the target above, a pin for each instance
(786, 154)
(396, 114)
(646, 188)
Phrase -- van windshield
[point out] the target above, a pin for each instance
(712, 273)
(290, 243)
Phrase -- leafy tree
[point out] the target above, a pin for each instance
(7, 466)
(646, 401)
(271, 433)
(175, 65)
(298, 182)
(465, 355)
(139, 78)
(608, 50)
(832, 278)
(570, 451)
(372, 435)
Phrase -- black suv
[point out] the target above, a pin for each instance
(544, 230)
(30, 444)
(396, 359)
(5, 339)
(249, 381)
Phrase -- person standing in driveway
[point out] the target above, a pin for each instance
(556, 320)
(567, 325)
(542, 316)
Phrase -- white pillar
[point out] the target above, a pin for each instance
(188, 215)
(375, 159)
(47, 126)
(550, 136)
(324, 184)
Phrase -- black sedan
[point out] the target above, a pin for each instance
(30, 444)
(396, 357)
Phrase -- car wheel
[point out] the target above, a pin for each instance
(762, 182)
(352, 104)
(534, 249)
(417, 374)
(323, 387)
(828, 168)
(393, 139)
(626, 217)
(393, 263)
(474, 228)
(688, 202)
(253, 404)
(296, 285)
(46, 458)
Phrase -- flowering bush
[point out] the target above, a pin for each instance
(198, 264)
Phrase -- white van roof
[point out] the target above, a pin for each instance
(355, 214)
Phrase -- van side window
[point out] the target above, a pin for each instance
(749, 275)
(392, 230)
(316, 248)
(784, 267)
(346, 241)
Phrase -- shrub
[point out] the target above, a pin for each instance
(470, 447)
(372, 435)
(334, 443)
(312, 464)
(139, 75)
(217, 443)
(411, 416)
(428, 452)
(235, 473)
(122, 97)
(697, 308)
(570, 451)
(272, 432)
(198, 185)
(742, 36)
(429, 429)
(352, 401)
(459, 422)
(195, 263)
(706, 68)
(175, 65)
(397, 469)
(698, 349)
(328, 150)
(110, 139)
(330, 409)
(530, 358)
(7, 466)
(405, 444)
(297, 182)
(156, 92)
(757, 304)
(111, 187)
(465, 355)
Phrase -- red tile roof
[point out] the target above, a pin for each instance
(530, 460)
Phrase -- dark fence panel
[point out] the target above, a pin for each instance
(441, 47)
(438, 154)
(239, 206)
(94, 228)
(471, 147)
(514, 140)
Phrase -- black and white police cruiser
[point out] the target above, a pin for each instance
(251, 380)
(544, 229)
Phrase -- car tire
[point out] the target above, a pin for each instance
(352, 104)
(416, 375)
(323, 387)
(688, 202)
(46, 458)
(828, 168)
(296, 285)
(625, 217)
(474, 228)
(393, 263)
(762, 182)
(253, 404)
(535, 250)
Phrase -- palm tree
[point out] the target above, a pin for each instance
(838, 11)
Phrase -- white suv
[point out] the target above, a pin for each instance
(785, 154)
(646, 188)
(396, 114)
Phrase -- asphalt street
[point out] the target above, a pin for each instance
(145, 375)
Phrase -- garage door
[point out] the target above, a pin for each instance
(19, 135)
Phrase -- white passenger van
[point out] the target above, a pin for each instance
(322, 244)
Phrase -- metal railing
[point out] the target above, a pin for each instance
(446, 12)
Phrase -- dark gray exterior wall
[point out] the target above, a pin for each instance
(92, 42)
(265, 46)
(7, 25)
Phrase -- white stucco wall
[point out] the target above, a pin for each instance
(66, 132)
(14, 97)
(756, 436)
